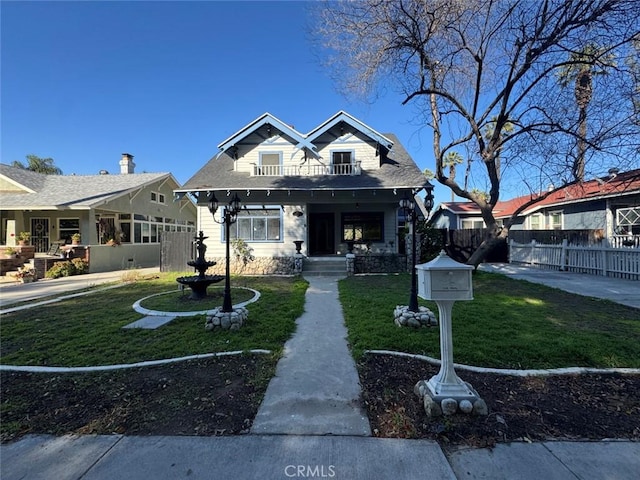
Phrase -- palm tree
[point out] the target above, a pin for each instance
(506, 130)
(40, 165)
(582, 67)
(451, 160)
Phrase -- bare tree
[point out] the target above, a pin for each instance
(483, 74)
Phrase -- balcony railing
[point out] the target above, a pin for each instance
(305, 170)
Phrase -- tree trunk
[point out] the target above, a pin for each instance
(579, 162)
(583, 94)
(495, 238)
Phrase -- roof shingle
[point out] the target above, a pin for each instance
(69, 191)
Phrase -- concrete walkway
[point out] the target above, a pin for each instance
(316, 389)
(625, 292)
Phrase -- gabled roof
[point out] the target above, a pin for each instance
(72, 192)
(343, 116)
(626, 183)
(266, 119)
(301, 140)
(22, 179)
(615, 185)
(398, 170)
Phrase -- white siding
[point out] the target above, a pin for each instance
(248, 157)
(293, 228)
(363, 152)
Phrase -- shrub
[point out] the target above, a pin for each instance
(80, 265)
(242, 251)
(77, 266)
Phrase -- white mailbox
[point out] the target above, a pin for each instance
(444, 279)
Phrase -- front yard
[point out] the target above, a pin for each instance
(510, 324)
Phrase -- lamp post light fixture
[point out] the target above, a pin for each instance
(408, 206)
(227, 218)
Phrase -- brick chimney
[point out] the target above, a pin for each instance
(126, 164)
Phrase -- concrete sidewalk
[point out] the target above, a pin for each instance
(11, 293)
(291, 456)
(625, 292)
(290, 404)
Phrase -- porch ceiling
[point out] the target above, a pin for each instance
(289, 197)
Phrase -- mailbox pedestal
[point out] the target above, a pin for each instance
(444, 281)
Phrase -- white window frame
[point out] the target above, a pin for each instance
(475, 222)
(70, 231)
(270, 167)
(244, 214)
(160, 199)
(551, 225)
(352, 161)
(627, 220)
(541, 225)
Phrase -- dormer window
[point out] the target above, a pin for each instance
(270, 164)
(342, 162)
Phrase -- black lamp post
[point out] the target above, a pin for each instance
(228, 218)
(409, 207)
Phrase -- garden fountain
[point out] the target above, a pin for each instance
(199, 283)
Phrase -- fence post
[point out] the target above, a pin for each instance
(511, 242)
(532, 252)
(604, 262)
(563, 255)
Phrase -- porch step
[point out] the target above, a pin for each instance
(325, 266)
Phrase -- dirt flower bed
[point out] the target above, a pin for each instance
(222, 396)
(586, 406)
(217, 396)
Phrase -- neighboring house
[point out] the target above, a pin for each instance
(129, 209)
(340, 182)
(610, 204)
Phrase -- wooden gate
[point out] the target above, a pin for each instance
(176, 249)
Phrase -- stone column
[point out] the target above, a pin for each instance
(351, 264)
(298, 260)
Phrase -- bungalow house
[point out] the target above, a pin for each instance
(128, 209)
(609, 205)
(339, 183)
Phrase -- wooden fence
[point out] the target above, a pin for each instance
(176, 249)
(460, 244)
(595, 260)
(555, 237)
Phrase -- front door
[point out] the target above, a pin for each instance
(322, 234)
(40, 234)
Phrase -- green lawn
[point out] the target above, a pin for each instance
(509, 324)
(87, 330)
(179, 301)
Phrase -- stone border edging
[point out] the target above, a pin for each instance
(159, 313)
(99, 368)
(516, 373)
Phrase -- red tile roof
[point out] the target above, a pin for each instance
(623, 183)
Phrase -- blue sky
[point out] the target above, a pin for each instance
(83, 82)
